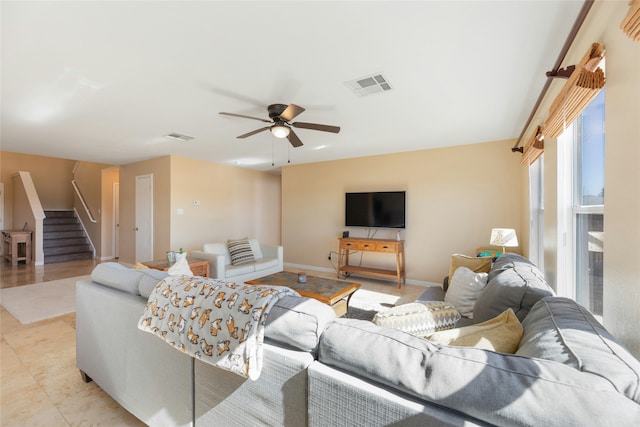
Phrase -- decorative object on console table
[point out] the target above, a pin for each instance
(505, 237)
(372, 245)
(16, 246)
(199, 267)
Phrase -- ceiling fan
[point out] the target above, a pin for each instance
(280, 117)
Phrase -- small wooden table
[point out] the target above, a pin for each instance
(335, 293)
(199, 267)
(16, 246)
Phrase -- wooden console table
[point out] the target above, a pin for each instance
(348, 244)
(16, 246)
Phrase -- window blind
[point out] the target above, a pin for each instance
(631, 23)
(583, 85)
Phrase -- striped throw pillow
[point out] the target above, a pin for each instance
(240, 251)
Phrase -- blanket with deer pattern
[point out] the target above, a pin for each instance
(217, 322)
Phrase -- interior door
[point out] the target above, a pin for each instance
(144, 218)
(116, 220)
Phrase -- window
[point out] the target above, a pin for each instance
(581, 238)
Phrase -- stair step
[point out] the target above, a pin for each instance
(60, 220)
(71, 249)
(62, 227)
(50, 243)
(67, 257)
(62, 234)
(58, 214)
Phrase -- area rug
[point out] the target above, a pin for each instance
(365, 304)
(40, 301)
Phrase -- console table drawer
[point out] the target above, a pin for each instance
(349, 244)
(386, 247)
(366, 246)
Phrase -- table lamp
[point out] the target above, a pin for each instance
(505, 237)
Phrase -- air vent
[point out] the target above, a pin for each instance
(368, 85)
(179, 136)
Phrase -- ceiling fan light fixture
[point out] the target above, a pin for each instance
(280, 131)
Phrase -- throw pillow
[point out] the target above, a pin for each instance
(501, 334)
(180, 268)
(419, 318)
(475, 264)
(240, 251)
(464, 289)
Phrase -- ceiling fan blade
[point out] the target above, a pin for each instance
(246, 117)
(291, 112)
(316, 126)
(293, 139)
(253, 132)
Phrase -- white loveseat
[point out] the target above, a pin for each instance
(268, 260)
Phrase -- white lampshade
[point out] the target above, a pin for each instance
(280, 131)
(505, 237)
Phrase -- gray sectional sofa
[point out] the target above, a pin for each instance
(324, 371)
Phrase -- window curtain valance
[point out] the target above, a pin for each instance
(631, 23)
(582, 86)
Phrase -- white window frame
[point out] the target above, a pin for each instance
(536, 212)
(568, 211)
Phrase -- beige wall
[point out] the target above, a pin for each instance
(622, 173)
(110, 177)
(233, 203)
(622, 181)
(454, 197)
(89, 179)
(160, 168)
(51, 177)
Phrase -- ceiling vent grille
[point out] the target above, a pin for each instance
(179, 136)
(368, 85)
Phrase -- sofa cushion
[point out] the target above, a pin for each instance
(255, 248)
(464, 289)
(502, 333)
(240, 251)
(264, 263)
(419, 318)
(505, 262)
(501, 389)
(232, 271)
(149, 280)
(518, 286)
(298, 322)
(560, 329)
(218, 249)
(117, 276)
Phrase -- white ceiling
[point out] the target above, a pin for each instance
(105, 81)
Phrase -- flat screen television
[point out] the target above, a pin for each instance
(383, 209)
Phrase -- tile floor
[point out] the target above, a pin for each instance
(39, 382)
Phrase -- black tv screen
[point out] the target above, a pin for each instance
(384, 209)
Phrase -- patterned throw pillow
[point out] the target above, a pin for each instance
(419, 318)
(240, 251)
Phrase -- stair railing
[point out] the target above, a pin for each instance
(84, 203)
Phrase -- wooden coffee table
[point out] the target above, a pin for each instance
(199, 267)
(335, 293)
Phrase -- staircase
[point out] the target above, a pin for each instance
(63, 238)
